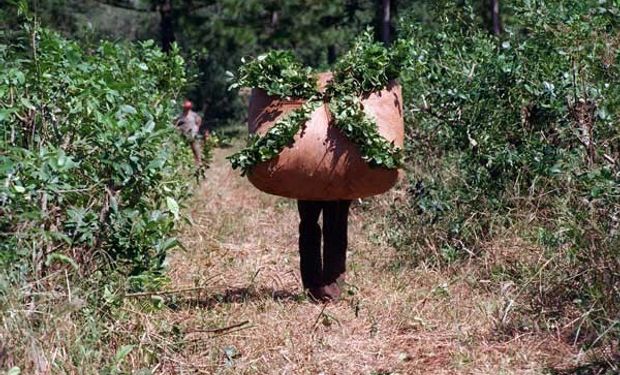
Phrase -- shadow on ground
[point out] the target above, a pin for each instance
(236, 295)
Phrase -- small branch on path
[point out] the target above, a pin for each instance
(222, 329)
(164, 292)
(216, 332)
(316, 322)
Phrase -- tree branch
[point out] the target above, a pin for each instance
(126, 5)
(188, 6)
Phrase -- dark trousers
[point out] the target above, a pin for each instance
(316, 272)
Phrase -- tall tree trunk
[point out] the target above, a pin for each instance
(495, 16)
(385, 22)
(166, 25)
(331, 54)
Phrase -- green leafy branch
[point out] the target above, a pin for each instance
(350, 118)
(281, 135)
(368, 67)
(279, 74)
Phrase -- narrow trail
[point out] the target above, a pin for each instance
(252, 317)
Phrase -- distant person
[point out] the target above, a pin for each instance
(189, 124)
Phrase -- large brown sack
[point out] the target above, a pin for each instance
(322, 163)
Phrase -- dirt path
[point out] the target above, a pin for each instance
(393, 320)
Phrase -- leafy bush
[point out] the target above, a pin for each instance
(521, 134)
(91, 172)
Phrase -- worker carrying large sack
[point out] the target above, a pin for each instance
(324, 140)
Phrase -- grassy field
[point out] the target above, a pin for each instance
(252, 317)
(235, 306)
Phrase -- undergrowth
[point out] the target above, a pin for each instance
(518, 136)
(92, 180)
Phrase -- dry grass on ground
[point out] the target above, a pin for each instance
(237, 306)
(252, 318)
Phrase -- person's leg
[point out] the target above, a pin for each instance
(310, 244)
(196, 146)
(335, 228)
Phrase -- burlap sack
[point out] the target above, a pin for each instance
(322, 163)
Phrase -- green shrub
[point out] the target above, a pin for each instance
(91, 169)
(520, 135)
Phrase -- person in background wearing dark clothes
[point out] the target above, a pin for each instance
(323, 276)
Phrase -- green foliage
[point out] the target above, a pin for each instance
(520, 133)
(215, 35)
(367, 67)
(350, 118)
(279, 74)
(89, 157)
(231, 29)
(276, 72)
